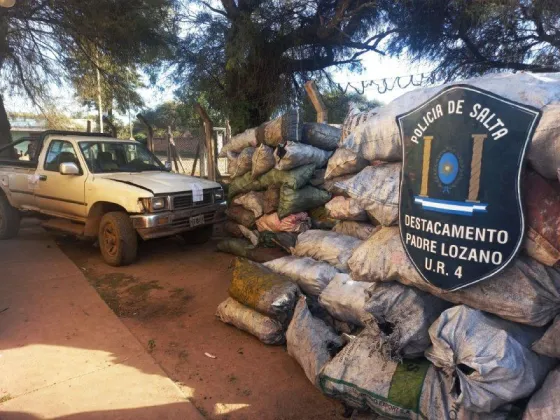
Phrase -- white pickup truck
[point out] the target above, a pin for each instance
(94, 186)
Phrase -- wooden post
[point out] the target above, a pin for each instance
(88, 129)
(317, 101)
(196, 158)
(112, 127)
(209, 134)
(150, 132)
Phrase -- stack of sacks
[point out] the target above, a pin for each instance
(261, 302)
(348, 215)
(272, 167)
(415, 355)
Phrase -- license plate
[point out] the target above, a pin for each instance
(196, 220)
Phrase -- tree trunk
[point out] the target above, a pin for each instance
(5, 135)
(99, 97)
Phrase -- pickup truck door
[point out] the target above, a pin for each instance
(57, 194)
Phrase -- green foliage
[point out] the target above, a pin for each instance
(337, 103)
(47, 42)
(179, 116)
(468, 38)
(250, 58)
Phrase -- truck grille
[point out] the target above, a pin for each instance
(184, 221)
(185, 201)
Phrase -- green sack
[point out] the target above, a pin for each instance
(295, 201)
(244, 184)
(296, 178)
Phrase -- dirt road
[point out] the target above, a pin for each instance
(168, 300)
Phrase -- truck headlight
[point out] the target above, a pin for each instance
(218, 194)
(155, 203)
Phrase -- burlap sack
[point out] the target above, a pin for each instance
(545, 403)
(311, 341)
(323, 136)
(342, 208)
(263, 160)
(379, 139)
(491, 358)
(344, 162)
(331, 247)
(310, 275)
(263, 290)
(266, 329)
(239, 142)
(549, 343)
(526, 292)
(362, 231)
(293, 155)
(376, 188)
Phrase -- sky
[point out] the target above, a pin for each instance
(376, 67)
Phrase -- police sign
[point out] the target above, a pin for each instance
(461, 217)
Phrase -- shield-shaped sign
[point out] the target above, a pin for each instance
(461, 216)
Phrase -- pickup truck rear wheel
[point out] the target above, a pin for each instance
(9, 219)
(198, 236)
(117, 239)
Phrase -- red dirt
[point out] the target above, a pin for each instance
(168, 299)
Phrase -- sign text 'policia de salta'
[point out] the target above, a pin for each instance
(461, 216)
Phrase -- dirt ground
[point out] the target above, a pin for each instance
(168, 299)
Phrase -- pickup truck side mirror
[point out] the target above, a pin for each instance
(168, 165)
(69, 168)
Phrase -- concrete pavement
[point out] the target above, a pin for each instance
(63, 352)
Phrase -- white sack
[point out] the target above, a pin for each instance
(263, 160)
(331, 247)
(244, 162)
(266, 329)
(343, 208)
(376, 188)
(293, 155)
(311, 341)
(526, 292)
(239, 142)
(344, 162)
(310, 275)
(345, 299)
(378, 138)
(252, 201)
(490, 357)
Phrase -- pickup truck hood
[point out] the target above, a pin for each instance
(160, 182)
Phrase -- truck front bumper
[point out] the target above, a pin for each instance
(169, 223)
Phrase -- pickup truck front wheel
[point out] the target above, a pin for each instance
(117, 239)
(9, 219)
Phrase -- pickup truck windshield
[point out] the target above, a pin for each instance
(119, 157)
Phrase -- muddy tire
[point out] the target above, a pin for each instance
(9, 219)
(198, 236)
(117, 239)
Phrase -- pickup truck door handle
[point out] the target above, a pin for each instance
(42, 177)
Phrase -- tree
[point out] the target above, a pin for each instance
(43, 42)
(468, 38)
(337, 103)
(251, 56)
(116, 85)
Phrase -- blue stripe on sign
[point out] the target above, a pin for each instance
(450, 207)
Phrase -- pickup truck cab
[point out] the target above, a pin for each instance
(94, 186)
